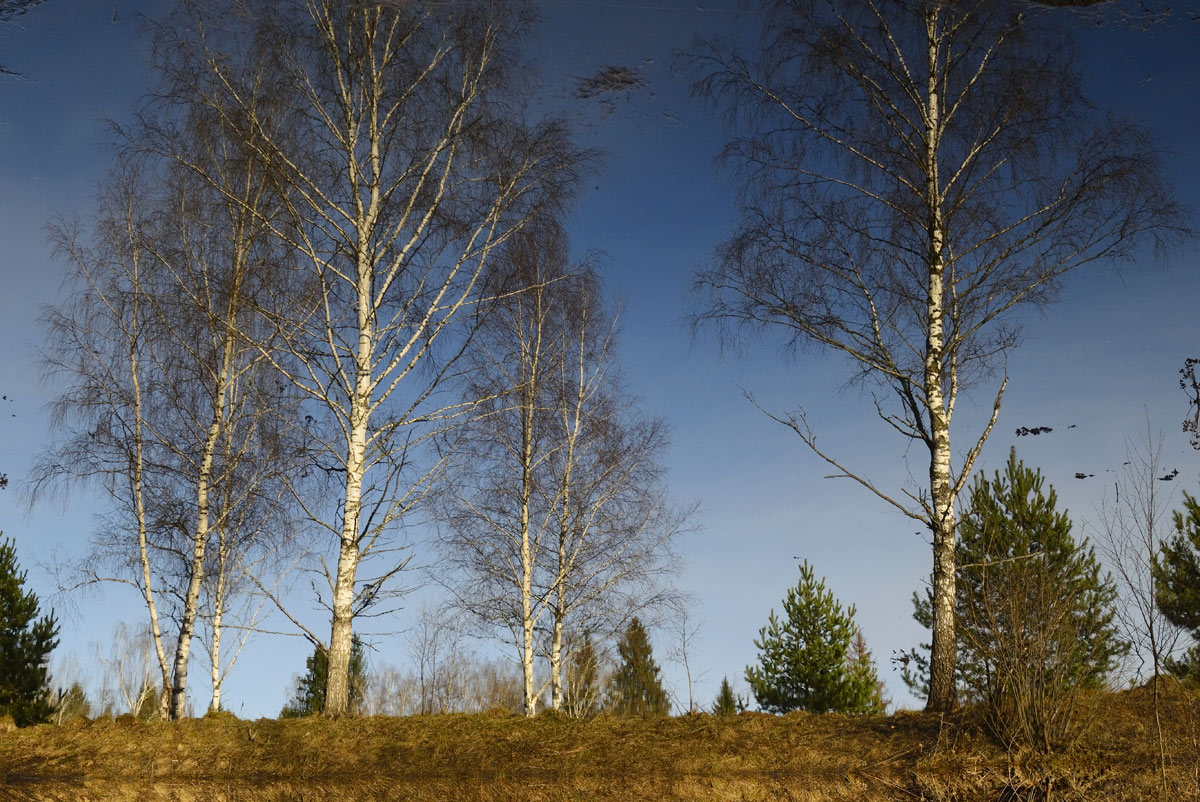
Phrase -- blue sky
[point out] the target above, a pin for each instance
(1104, 359)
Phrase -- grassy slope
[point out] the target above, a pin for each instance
(502, 757)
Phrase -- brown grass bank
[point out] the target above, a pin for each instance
(801, 757)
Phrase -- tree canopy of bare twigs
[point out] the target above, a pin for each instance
(558, 515)
(1133, 528)
(165, 403)
(395, 136)
(914, 173)
(614, 524)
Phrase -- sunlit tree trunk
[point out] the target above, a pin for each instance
(558, 622)
(201, 533)
(529, 609)
(218, 621)
(337, 689)
(137, 476)
(945, 643)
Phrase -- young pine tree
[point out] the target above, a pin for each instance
(727, 703)
(635, 689)
(310, 689)
(860, 662)
(804, 660)
(1177, 583)
(1035, 610)
(25, 645)
(71, 703)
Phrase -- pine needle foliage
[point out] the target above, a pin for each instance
(726, 704)
(1036, 612)
(1177, 583)
(804, 658)
(1028, 592)
(26, 641)
(310, 688)
(636, 689)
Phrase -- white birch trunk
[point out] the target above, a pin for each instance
(139, 495)
(191, 599)
(337, 686)
(528, 402)
(218, 612)
(221, 583)
(556, 643)
(204, 481)
(571, 417)
(942, 696)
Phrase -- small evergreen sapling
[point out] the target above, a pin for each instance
(25, 645)
(727, 703)
(805, 660)
(860, 662)
(635, 689)
(310, 688)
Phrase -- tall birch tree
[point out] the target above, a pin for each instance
(163, 390)
(225, 264)
(558, 517)
(404, 164)
(97, 342)
(498, 523)
(613, 524)
(178, 262)
(223, 436)
(913, 173)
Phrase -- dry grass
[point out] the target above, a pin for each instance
(799, 757)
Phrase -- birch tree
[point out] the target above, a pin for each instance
(913, 174)
(224, 436)
(559, 516)
(404, 164)
(498, 520)
(613, 522)
(127, 675)
(97, 340)
(165, 394)
(165, 386)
